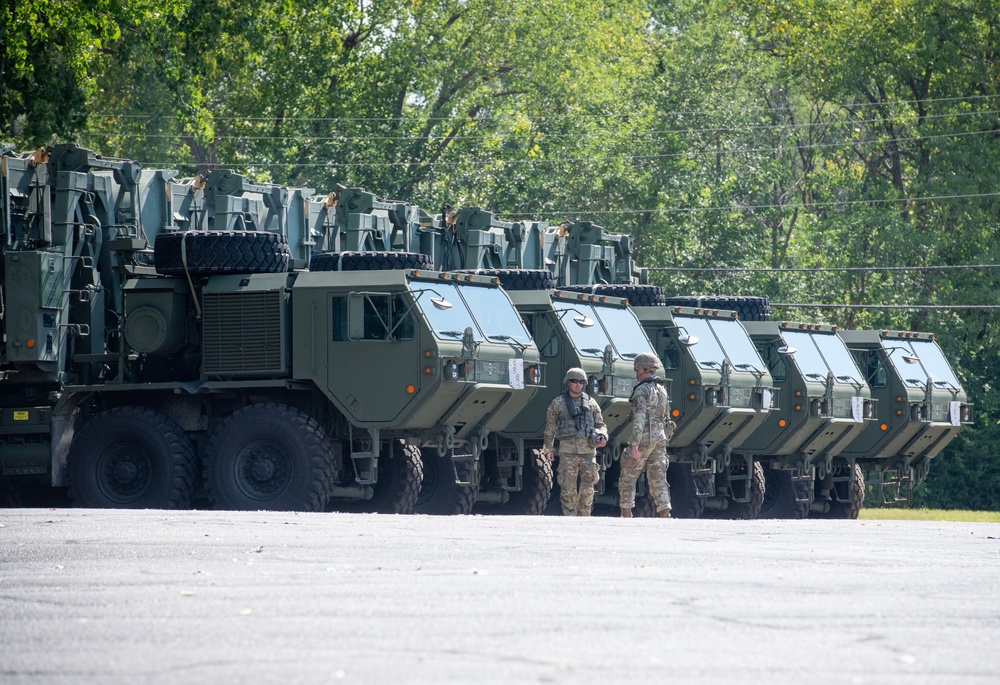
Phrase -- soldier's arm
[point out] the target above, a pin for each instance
(640, 410)
(551, 417)
(599, 419)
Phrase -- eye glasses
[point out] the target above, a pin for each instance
(574, 380)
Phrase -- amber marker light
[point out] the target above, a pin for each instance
(782, 423)
(884, 427)
(411, 389)
(676, 412)
(30, 344)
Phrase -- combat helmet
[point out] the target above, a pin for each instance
(645, 360)
(575, 374)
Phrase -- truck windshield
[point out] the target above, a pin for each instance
(721, 339)
(737, 343)
(933, 360)
(833, 356)
(838, 357)
(807, 356)
(446, 311)
(625, 331)
(581, 323)
(906, 362)
(495, 314)
(708, 351)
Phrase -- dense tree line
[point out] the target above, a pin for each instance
(805, 134)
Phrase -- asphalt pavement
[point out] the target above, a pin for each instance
(94, 596)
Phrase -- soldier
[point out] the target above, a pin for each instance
(651, 431)
(575, 418)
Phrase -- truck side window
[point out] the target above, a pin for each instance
(671, 356)
(876, 372)
(339, 318)
(545, 337)
(372, 317)
(402, 318)
(775, 363)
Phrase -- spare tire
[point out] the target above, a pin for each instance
(518, 279)
(749, 308)
(369, 261)
(205, 253)
(637, 295)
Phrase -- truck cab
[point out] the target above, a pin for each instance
(921, 407)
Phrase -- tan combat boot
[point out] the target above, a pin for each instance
(626, 513)
(665, 514)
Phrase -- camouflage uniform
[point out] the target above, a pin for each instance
(577, 452)
(651, 431)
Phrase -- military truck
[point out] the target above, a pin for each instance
(723, 392)
(921, 407)
(825, 403)
(130, 374)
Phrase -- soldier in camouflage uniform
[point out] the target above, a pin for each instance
(576, 420)
(651, 430)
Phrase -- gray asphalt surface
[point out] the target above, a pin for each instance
(226, 597)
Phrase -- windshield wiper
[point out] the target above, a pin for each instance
(847, 379)
(457, 334)
(507, 338)
(592, 350)
(710, 362)
(813, 375)
(629, 355)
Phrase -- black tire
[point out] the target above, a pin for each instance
(746, 510)
(272, 457)
(10, 495)
(850, 507)
(399, 478)
(645, 507)
(440, 495)
(637, 295)
(749, 308)
(131, 458)
(206, 253)
(684, 501)
(518, 279)
(779, 496)
(369, 261)
(536, 487)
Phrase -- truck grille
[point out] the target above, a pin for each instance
(242, 334)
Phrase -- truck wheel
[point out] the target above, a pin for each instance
(779, 497)
(133, 458)
(536, 487)
(637, 295)
(685, 503)
(398, 485)
(272, 457)
(205, 253)
(748, 510)
(440, 494)
(369, 261)
(518, 279)
(645, 507)
(850, 508)
(10, 495)
(749, 308)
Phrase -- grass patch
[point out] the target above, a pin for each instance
(892, 514)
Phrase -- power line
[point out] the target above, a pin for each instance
(566, 115)
(347, 137)
(729, 208)
(586, 160)
(914, 307)
(832, 269)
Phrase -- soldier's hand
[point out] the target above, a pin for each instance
(603, 442)
(634, 451)
(550, 455)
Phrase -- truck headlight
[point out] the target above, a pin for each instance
(451, 370)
